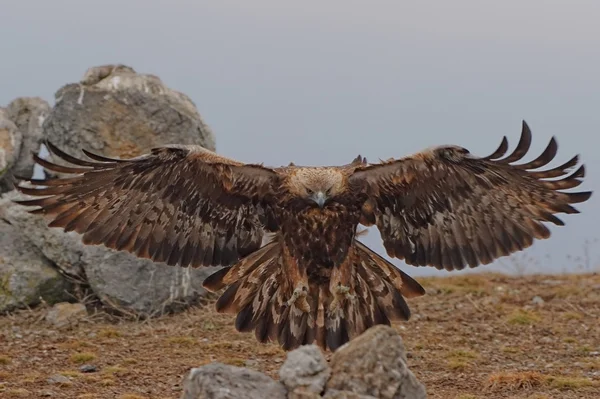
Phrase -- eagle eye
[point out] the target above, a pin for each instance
(309, 191)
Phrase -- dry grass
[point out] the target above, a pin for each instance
(471, 337)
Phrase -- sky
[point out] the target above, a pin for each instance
(318, 82)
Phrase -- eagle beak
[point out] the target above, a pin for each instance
(319, 197)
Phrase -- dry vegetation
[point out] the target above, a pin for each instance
(474, 336)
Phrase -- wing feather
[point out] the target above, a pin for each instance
(446, 208)
(183, 205)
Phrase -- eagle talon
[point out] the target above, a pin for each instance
(341, 293)
(299, 299)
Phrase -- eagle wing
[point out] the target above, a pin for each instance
(446, 208)
(183, 205)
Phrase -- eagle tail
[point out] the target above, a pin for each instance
(261, 293)
(377, 296)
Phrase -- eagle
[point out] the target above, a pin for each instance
(293, 268)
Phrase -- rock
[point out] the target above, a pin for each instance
(28, 114)
(140, 286)
(66, 314)
(220, 381)
(122, 281)
(62, 249)
(335, 394)
(59, 379)
(117, 112)
(26, 276)
(537, 300)
(305, 372)
(374, 364)
(10, 146)
(20, 135)
(88, 368)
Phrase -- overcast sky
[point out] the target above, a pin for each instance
(318, 82)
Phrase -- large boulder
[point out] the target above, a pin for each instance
(28, 114)
(10, 146)
(119, 113)
(20, 134)
(26, 276)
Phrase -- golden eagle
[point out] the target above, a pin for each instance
(313, 280)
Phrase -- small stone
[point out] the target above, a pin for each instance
(59, 379)
(537, 300)
(305, 371)
(546, 340)
(220, 381)
(552, 282)
(374, 363)
(46, 393)
(88, 368)
(594, 353)
(65, 314)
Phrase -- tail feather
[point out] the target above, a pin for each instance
(408, 287)
(259, 288)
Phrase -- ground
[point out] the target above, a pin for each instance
(474, 336)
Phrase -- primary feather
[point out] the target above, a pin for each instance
(312, 281)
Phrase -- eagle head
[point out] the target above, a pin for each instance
(317, 185)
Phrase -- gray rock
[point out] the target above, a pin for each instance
(26, 276)
(64, 250)
(141, 286)
(374, 364)
(66, 314)
(220, 381)
(305, 371)
(10, 145)
(122, 281)
(59, 379)
(537, 300)
(28, 114)
(117, 112)
(335, 394)
(88, 368)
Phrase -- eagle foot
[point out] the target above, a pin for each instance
(299, 298)
(341, 293)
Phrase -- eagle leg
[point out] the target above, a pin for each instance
(299, 279)
(340, 284)
(299, 298)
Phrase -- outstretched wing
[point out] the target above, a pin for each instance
(183, 205)
(446, 208)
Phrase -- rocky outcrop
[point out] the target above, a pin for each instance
(370, 366)
(20, 135)
(116, 112)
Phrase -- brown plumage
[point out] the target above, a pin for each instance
(313, 281)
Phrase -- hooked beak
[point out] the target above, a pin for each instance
(319, 197)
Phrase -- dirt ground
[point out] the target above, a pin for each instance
(474, 336)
